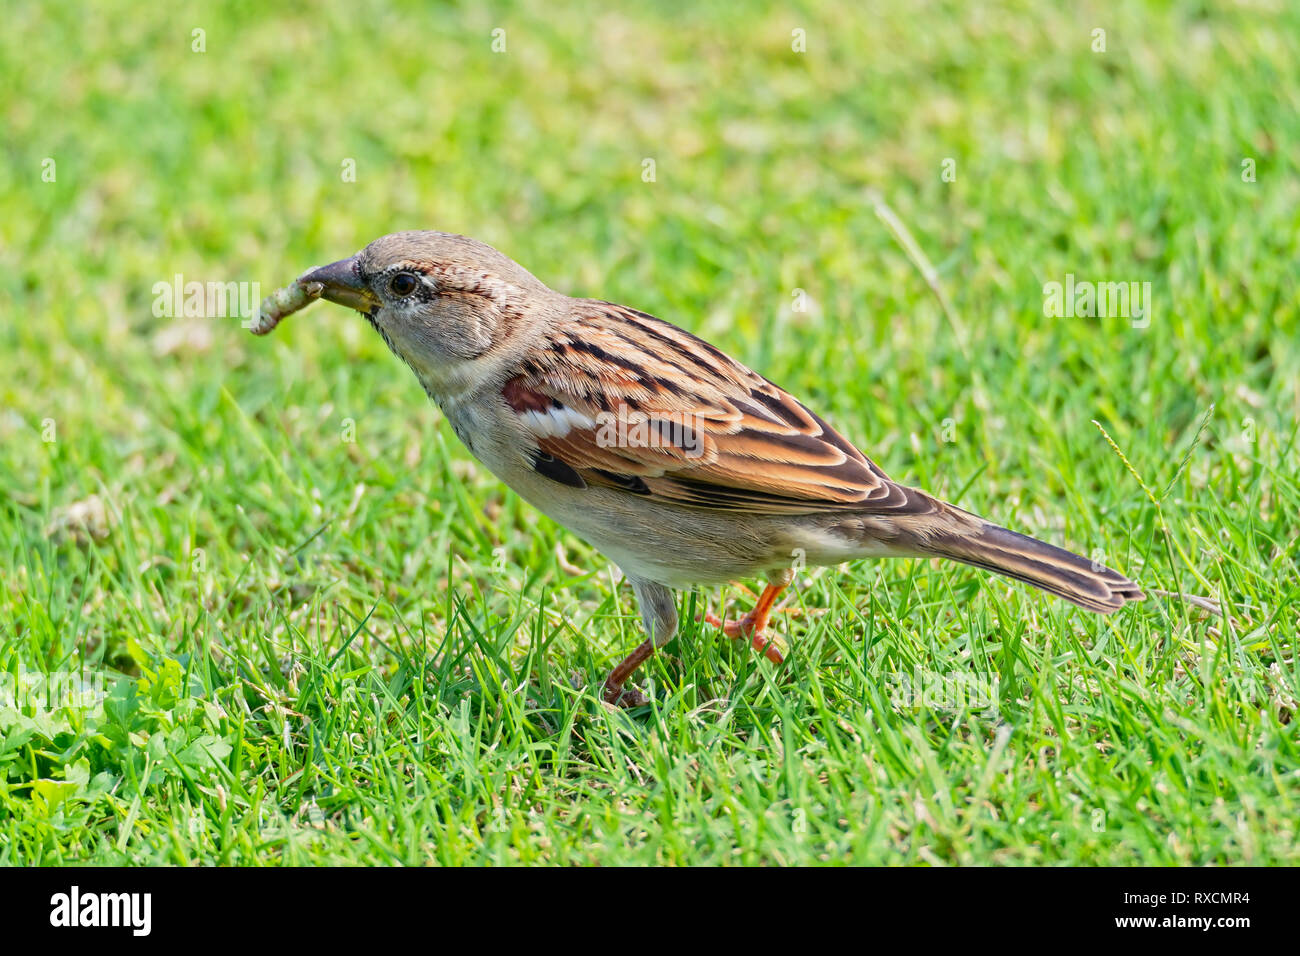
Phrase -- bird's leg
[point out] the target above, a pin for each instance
(754, 623)
(659, 614)
(615, 692)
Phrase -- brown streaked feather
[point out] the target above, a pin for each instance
(1083, 582)
(716, 434)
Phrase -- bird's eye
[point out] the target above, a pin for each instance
(403, 284)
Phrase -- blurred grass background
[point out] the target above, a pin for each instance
(365, 650)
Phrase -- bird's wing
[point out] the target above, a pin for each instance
(620, 399)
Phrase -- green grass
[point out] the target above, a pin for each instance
(321, 650)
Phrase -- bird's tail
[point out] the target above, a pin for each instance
(1055, 570)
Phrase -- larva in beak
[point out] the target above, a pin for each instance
(285, 302)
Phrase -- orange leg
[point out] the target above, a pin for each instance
(754, 623)
(659, 615)
(614, 691)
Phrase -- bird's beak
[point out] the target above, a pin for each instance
(341, 282)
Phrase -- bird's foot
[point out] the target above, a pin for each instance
(624, 697)
(754, 624)
(748, 626)
(614, 691)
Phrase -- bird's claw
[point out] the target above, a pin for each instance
(624, 697)
(761, 641)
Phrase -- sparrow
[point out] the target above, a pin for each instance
(676, 461)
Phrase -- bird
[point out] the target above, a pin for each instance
(673, 459)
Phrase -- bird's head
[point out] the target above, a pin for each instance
(441, 301)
